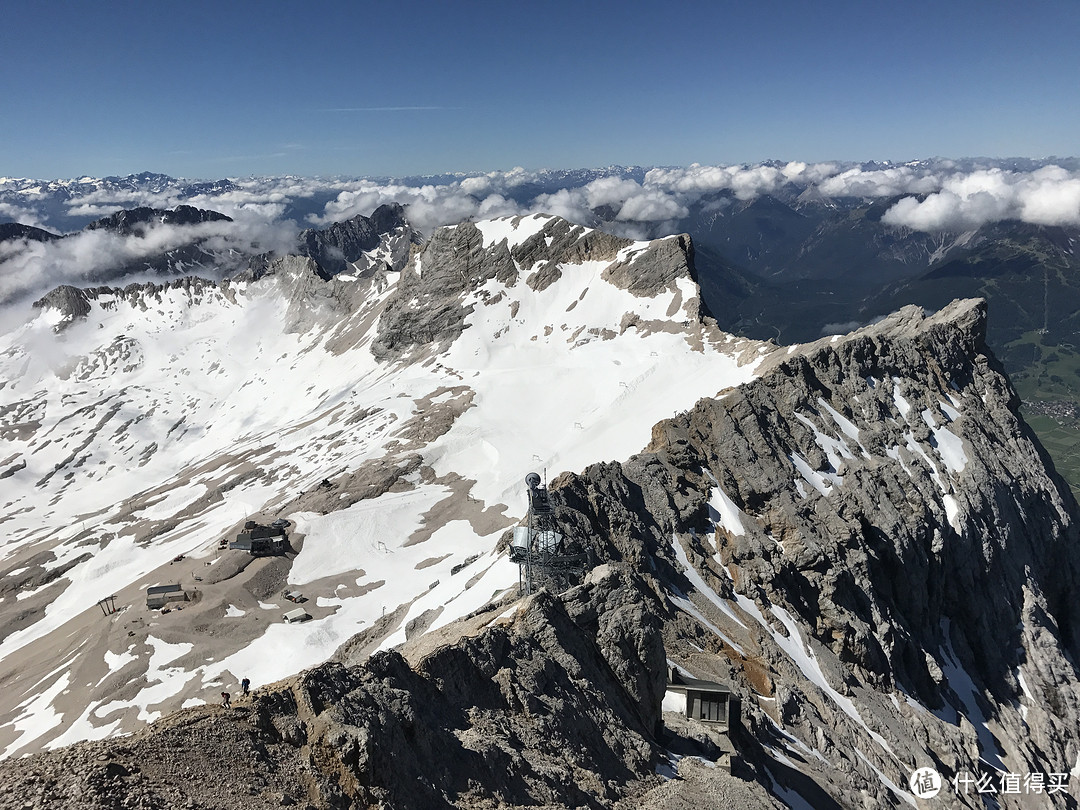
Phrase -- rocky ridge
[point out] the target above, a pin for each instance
(865, 540)
(848, 605)
(200, 405)
(356, 242)
(885, 509)
(71, 303)
(427, 308)
(10, 231)
(133, 220)
(552, 705)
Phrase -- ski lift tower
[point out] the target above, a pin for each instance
(540, 549)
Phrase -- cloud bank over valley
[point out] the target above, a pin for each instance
(933, 196)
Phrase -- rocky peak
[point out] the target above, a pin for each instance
(880, 494)
(429, 304)
(134, 220)
(15, 230)
(389, 217)
(72, 303)
(342, 244)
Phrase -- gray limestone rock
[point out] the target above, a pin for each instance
(134, 220)
(887, 500)
(649, 272)
(336, 247)
(71, 302)
(74, 302)
(550, 709)
(865, 541)
(428, 305)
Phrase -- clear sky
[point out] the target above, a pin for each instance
(234, 88)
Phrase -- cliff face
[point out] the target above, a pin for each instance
(893, 558)
(864, 541)
(162, 417)
(427, 307)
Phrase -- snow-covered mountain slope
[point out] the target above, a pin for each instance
(860, 535)
(391, 416)
(862, 539)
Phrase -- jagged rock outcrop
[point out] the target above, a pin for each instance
(426, 307)
(882, 493)
(554, 706)
(72, 303)
(338, 246)
(372, 246)
(649, 272)
(864, 540)
(15, 230)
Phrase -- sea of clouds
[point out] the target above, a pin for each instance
(932, 196)
(937, 196)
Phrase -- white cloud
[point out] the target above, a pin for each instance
(22, 214)
(746, 182)
(798, 172)
(97, 211)
(1051, 196)
(429, 206)
(30, 268)
(889, 182)
(496, 205)
(1047, 196)
(652, 205)
(937, 195)
(570, 204)
(613, 191)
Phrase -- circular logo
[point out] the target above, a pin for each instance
(925, 783)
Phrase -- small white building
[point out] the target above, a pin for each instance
(298, 615)
(704, 701)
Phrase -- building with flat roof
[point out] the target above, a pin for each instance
(261, 541)
(158, 596)
(704, 701)
(709, 703)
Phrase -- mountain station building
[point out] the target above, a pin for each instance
(262, 541)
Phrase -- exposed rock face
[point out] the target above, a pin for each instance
(648, 272)
(338, 246)
(554, 707)
(426, 307)
(14, 230)
(865, 541)
(882, 494)
(70, 302)
(196, 387)
(76, 302)
(134, 220)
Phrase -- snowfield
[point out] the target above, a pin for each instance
(159, 423)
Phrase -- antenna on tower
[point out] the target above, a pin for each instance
(540, 550)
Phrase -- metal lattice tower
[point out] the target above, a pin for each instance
(540, 549)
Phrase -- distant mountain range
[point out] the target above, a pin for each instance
(783, 251)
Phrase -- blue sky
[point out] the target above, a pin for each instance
(201, 89)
